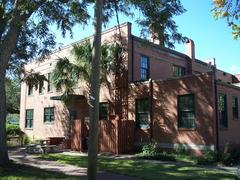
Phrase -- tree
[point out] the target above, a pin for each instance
(67, 73)
(94, 92)
(12, 95)
(230, 10)
(25, 34)
(158, 20)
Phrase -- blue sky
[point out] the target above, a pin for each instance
(213, 38)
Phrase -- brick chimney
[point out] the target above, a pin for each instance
(190, 52)
(190, 49)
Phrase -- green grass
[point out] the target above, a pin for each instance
(22, 172)
(169, 157)
(145, 170)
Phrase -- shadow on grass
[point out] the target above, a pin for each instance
(17, 171)
(146, 170)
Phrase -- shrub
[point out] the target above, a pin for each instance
(209, 157)
(12, 130)
(181, 150)
(230, 157)
(149, 149)
(26, 139)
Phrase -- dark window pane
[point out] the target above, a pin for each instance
(41, 83)
(50, 86)
(222, 110)
(186, 111)
(30, 89)
(235, 107)
(49, 114)
(142, 113)
(178, 71)
(144, 69)
(103, 110)
(29, 118)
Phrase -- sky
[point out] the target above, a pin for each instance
(212, 38)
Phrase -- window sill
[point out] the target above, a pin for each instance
(143, 128)
(48, 123)
(223, 128)
(187, 129)
(28, 128)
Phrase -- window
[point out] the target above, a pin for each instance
(103, 110)
(144, 68)
(41, 84)
(29, 118)
(49, 87)
(235, 107)
(142, 113)
(30, 89)
(222, 110)
(178, 71)
(49, 115)
(186, 111)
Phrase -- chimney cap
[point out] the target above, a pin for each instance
(188, 40)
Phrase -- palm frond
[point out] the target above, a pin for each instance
(33, 79)
(67, 74)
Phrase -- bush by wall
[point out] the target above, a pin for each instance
(149, 149)
(12, 130)
(209, 158)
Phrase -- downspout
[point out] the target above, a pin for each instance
(216, 107)
(151, 108)
(132, 59)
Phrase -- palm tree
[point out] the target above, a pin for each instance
(67, 73)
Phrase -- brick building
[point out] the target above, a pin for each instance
(158, 93)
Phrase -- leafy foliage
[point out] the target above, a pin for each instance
(229, 9)
(26, 139)
(158, 20)
(149, 149)
(31, 22)
(68, 72)
(12, 88)
(209, 157)
(32, 78)
(12, 130)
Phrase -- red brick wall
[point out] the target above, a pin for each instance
(160, 61)
(165, 116)
(231, 134)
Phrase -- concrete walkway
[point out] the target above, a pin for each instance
(19, 156)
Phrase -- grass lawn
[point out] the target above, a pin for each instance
(145, 170)
(20, 172)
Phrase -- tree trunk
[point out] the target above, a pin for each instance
(3, 145)
(94, 92)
